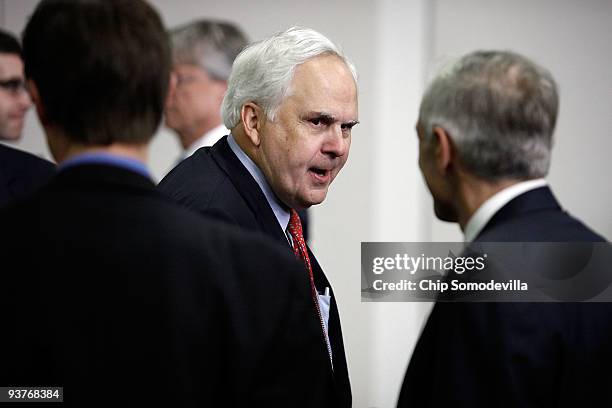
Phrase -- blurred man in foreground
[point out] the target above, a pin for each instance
(130, 299)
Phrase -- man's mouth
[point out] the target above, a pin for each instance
(319, 174)
(17, 116)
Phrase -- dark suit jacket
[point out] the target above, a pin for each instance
(516, 354)
(124, 298)
(21, 174)
(214, 182)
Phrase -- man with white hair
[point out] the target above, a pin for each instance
(203, 52)
(485, 134)
(291, 104)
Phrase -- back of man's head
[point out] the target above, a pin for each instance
(500, 109)
(101, 69)
(9, 44)
(211, 45)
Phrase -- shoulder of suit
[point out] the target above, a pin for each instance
(19, 159)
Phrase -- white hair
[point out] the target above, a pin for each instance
(262, 72)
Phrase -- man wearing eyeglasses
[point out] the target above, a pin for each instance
(21, 173)
(203, 53)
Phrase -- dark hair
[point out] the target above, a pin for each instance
(101, 67)
(9, 43)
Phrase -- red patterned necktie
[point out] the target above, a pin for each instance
(299, 244)
(299, 249)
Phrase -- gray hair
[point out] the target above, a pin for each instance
(262, 73)
(500, 110)
(211, 45)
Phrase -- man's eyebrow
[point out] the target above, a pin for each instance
(12, 78)
(329, 118)
(351, 123)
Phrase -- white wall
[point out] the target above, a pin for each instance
(380, 196)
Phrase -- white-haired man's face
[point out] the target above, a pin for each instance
(308, 142)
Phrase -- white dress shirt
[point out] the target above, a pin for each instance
(208, 139)
(487, 210)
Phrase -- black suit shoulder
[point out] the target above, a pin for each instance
(515, 354)
(21, 173)
(200, 184)
(536, 216)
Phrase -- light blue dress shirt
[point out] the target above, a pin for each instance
(106, 159)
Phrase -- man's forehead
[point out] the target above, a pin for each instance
(333, 111)
(326, 70)
(325, 85)
(10, 66)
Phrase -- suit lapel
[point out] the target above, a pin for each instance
(248, 188)
(257, 202)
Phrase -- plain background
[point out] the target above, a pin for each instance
(380, 196)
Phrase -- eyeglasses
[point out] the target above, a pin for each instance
(13, 86)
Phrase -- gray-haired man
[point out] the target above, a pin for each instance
(203, 53)
(485, 136)
(290, 105)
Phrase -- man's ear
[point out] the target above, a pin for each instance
(444, 149)
(35, 96)
(253, 118)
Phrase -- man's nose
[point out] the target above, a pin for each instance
(337, 142)
(25, 102)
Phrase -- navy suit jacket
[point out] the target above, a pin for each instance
(21, 174)
(214, 182)
(516, 354)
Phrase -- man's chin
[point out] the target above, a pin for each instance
(445, 212)
(312, 199)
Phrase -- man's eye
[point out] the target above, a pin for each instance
(184, 79)
(316, 121)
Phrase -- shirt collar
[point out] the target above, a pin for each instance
(280, 210)
(207, 139)
(487, 210)
(108, 159)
